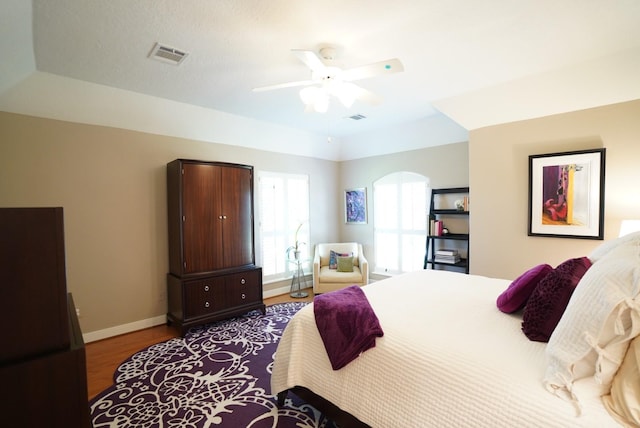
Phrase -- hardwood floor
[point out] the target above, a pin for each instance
(104, 356)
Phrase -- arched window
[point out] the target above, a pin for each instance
(401, 211)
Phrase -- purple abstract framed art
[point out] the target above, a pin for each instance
(355, 206)
(566, 194)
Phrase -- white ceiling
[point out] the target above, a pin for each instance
(478, 62)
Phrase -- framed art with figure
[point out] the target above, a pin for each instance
(566, 194)
(355, 206)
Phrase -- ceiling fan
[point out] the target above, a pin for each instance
(328, 80)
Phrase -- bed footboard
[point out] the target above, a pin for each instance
(281, 397)
(330, 410)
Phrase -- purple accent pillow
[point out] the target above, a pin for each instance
(551, 297)
(516, 295)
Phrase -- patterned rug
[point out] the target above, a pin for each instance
(216, 376)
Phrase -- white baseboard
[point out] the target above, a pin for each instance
(152, 322)
(124, 328)
(159, 320)
(276, 292)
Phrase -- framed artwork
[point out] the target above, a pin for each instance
(355, 206)
(566, 194)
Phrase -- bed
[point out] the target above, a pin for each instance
(449, 358)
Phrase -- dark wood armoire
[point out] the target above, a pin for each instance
(212, 271)
(42, 358)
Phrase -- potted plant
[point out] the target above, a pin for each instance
(295, 248)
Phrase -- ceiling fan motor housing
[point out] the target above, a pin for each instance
(328, 53)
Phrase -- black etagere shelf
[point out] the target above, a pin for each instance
(439, 214)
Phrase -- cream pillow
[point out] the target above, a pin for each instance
(601, 318)
(623, 402)
(607, 246)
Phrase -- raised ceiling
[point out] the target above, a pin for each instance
(478, 62)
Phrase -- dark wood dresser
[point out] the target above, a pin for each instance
(212, 271)
(42, 359)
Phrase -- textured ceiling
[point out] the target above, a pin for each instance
(448, 48)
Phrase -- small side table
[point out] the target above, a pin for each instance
(297, 280)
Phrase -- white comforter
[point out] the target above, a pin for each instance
(448, 358)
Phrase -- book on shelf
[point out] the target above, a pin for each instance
(435, 227)
(446, 252)
(447, 259)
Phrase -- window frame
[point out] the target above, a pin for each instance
(402, 239)
(288, 213)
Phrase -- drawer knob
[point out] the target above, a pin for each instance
(243, 281)
(243, 296)
(206, 304)
(206, 288)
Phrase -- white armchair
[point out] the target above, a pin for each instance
(326, 279)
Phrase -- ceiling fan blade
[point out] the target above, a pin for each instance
(284, 85)
(371, 70)
(310, 59)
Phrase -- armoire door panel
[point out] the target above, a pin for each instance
(202, 225)
(237, 208)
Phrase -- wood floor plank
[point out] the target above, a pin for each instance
(104, 356)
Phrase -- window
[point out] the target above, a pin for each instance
(283, 209)
(400, 204)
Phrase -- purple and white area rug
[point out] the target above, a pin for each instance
(218, 375)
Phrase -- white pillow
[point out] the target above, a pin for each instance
(607, 246)
(601, 318)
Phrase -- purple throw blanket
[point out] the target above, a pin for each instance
(347, 324)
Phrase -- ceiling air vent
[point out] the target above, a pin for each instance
(167, 54)
(357, 117)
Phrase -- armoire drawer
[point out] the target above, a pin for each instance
(244, 287)
(210, 298)
(204, 296)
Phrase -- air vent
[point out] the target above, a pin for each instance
(167, 54)
(357, 117)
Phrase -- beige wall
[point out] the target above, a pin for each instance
(111, 184)
(498, 159)
(445, 166)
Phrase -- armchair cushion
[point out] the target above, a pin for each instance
(329, 277)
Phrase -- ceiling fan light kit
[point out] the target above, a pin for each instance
(331, 81)
(315, 99)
